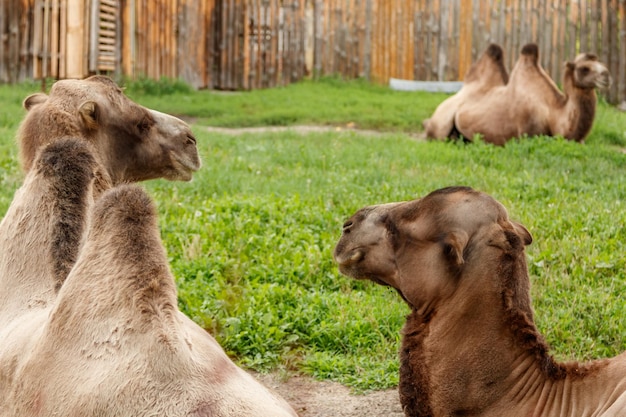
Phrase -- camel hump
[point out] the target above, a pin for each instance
(69, 167)
(69, 161)
(531, 50)
(495, 52)
(123, 210)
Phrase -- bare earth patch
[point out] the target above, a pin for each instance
(312, 398)
(303, 129)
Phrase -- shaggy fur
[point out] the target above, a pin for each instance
(486, 73)
(131, 143)
(470, 346)
(112, 342)
(42, 229)
(531, 103)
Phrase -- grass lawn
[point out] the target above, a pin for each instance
(250, 238)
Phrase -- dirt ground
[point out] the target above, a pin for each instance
(311, 398)
(303, 129)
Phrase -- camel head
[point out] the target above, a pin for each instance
(131, 142)
(421, 247)
(588, 73)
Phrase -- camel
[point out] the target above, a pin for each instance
(112, 342)
(470, 346)
(130, 142)
(488, 72)
(531, 103)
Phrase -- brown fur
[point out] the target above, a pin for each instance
(486, 73)
(112, 342)
(130, 142)
(531, 103)
(470, 345)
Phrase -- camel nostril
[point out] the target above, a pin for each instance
(190, 139)
(356, 256)
(347, 225)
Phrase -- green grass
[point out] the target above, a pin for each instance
(250, 239)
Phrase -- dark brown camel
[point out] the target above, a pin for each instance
(470, 346)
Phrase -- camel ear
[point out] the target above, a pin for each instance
(89, 114)
(523, 232)
(570, 66)
(454, 245)
(33, 100)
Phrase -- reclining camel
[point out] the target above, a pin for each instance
(488, 72)
(130, 142)
(470, 346)
(531, 103)
(112, 343)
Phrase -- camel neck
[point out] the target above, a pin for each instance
(483, 356)
(580, 105)
(463, 357)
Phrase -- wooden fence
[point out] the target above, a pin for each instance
(248, 44)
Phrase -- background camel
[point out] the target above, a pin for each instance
(130, 142)
(488, 72)
(531, 103)
(113, 342)
(470, 346)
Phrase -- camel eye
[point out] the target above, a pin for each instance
(584, 71)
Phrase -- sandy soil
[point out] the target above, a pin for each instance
(311, 398)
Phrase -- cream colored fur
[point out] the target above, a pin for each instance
(112, 342)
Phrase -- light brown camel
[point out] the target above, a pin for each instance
(130, 142)
(470, 346)
(113, 342)
(531, 103)
(488, 72)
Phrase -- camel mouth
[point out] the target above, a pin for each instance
(184, 166)
(604, 83)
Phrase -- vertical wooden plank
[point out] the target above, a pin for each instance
(94, 26)
(614, 52)
(278, 65)
(621, 73)
(562, 33)
(62, 61)
(593, 23)
(573, 29)
(582, 26)
(54, 39)
(465, 39)
(126, 36)
(418, 41)
(318, 30)
(45, 53)
(366, 41)
(75, 38)
(444, 17)
(4, 43)
(245, 48)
